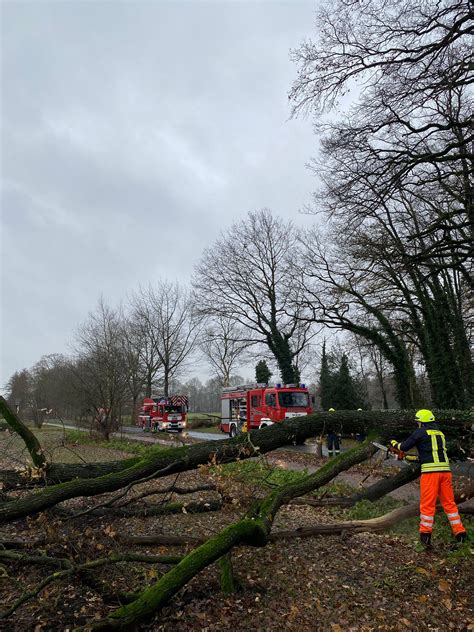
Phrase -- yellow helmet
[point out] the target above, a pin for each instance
(331, 410)
(424, 416)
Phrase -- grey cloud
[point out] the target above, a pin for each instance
(133, 133)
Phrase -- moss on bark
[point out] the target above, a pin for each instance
(31, 442)
(253, 529)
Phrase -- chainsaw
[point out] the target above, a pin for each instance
(395, 453)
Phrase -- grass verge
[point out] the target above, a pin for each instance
(132, 447)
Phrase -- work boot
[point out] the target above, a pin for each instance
(461, 537)
(425, 539)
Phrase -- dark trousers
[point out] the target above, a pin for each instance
(333, 444)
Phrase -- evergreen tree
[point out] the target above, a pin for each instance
(262, 372)
(346, 394)
(326, 382)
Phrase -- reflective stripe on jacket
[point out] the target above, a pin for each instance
(431, 445)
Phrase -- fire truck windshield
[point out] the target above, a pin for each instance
(293, 400)
(173, 409)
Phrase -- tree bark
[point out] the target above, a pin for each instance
(379, 489)
(31, 442)
(246, 445)
(374, 524)
(456, 425)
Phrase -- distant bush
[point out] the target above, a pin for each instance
(201, 420)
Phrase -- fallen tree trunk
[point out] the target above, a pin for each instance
(253, 530)
(407, 474)
(382, 523)
(185, 458)
(456, 424)
(31, 442)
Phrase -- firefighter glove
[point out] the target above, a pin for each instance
(394, 443)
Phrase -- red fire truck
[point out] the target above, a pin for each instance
(251, 406)
(164, 414)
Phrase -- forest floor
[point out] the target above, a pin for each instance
(361, 582)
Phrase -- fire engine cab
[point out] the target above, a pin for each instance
(164, 414)
(252, 406)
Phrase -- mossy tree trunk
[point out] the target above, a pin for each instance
(31, 442)
(253, 530)
(379, 489)
(94, 479)
(382, 523)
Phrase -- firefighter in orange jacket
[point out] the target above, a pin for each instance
(435, 476)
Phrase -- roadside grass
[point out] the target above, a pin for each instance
(132, 447)
(206, 429)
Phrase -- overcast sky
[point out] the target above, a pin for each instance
(132, 134)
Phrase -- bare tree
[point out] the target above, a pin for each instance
(135, 346)
(167, 316)
(360, 276)
(101, 370)
(223, 344)
(397, 184)
(18, 390)
(50, 388)
(339, 294)
(248, 277)
(143, 330)
(411, 118)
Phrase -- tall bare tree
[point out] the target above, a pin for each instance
(143, 330)
(135, 346)
(18, 390)
(101, 370)
(410, 69)
(167, 315)
(51, 391)
(397, 183)
(248, 277)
